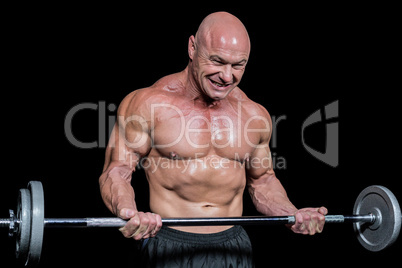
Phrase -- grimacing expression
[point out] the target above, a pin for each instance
(219, 70)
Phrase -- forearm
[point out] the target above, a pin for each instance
(269, 196)
(116, 189)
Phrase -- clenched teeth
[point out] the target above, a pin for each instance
(218, 84)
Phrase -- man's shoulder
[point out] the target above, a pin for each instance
(162, 91)
(248, 104)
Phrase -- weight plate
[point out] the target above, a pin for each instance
(37, 222)
(381, 202)
(24, 226)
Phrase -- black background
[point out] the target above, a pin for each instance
(302, 58)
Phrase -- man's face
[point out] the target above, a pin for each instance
(219, 67)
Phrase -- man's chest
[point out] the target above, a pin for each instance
(229, 133)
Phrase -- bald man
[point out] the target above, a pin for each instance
(201, 141)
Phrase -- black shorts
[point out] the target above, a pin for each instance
(173, 248)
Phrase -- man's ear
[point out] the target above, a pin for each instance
(191, 47)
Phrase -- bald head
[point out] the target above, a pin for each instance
(218, 55)
(222, 29)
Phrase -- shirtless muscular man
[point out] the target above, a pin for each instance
(201, 141)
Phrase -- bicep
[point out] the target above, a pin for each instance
(260, 160)
(129, 141)
(121, 159)
(126, 146)
(260, 163)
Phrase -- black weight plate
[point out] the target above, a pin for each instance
(23, 235)
(381, 202)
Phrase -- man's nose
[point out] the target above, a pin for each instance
(226, 74)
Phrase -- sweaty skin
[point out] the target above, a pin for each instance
(201, 142)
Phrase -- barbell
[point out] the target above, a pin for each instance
(376, 220)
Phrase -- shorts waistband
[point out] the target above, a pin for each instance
(194, 238)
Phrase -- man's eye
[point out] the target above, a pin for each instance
(237, 66)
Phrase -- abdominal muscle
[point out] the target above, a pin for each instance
(204, 187)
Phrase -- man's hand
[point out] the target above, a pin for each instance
(140, 225)
(309, 220)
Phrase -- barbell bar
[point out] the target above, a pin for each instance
(376, 220)
(217, 221)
